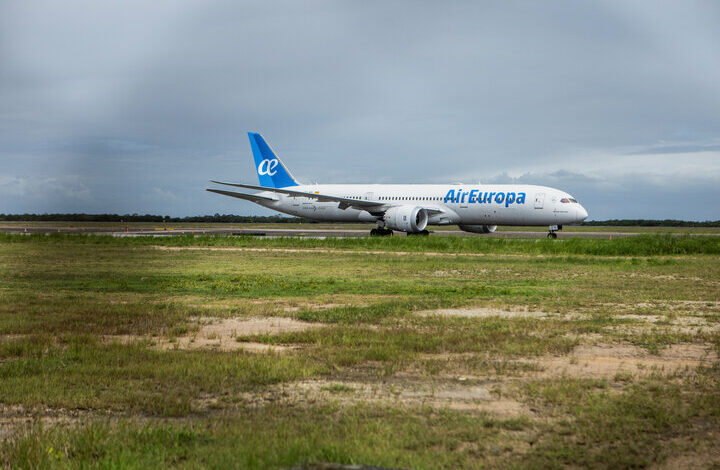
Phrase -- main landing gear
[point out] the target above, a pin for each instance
(381, 232)
(421, 233)
(553, 228)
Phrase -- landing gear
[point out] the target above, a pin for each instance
(381, 232)
(553, 228)
(421, 233)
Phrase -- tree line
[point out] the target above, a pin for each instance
(653, 223)
(216, 218)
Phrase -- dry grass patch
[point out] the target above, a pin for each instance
(483, 312)
(14, 418)
(702, 452)
(223, 334)
(466, 396)
(624, 361)
(238, 306)
(695, 307)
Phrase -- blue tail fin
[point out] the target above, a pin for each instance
(270, 169)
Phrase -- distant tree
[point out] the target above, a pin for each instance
(652, 223)
(135, 217)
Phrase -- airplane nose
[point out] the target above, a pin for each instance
(581, 213)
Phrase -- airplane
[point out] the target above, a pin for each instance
(409, 208)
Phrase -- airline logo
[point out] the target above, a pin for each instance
(267, 167)
(477, 197)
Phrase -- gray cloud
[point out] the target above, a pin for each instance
(639, 195)
(615, 102)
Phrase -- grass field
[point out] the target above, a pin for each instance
(440, 352)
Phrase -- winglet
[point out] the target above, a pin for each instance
(271, 171)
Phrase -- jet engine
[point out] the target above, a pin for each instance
(411, 219)
(478, 228)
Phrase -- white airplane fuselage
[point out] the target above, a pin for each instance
(467, 205)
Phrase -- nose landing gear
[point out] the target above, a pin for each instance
(552, 229)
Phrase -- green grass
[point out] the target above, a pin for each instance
(610, 430)
(401, 343)
(642, 245)
(80, 372)
(274, 438)
(64, 298)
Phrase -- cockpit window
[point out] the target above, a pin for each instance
(567, 200)
(564, 200)
(573, 200)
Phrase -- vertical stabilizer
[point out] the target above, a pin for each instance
(271, 171)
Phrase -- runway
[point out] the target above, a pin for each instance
(294, 232)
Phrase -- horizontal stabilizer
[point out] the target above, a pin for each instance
(247, 197)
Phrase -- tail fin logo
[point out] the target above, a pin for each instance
(267, 167)
(271, 170)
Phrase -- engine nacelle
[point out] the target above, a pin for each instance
(409, 219)
(478, 228)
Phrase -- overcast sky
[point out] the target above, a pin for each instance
(133, 106)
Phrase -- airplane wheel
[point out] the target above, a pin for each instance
(423, 233)
(381, 232)
(552, 235)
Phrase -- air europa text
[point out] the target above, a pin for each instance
(478, 197)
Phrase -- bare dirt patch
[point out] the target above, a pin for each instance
(609, 360)
(696, 307)
(640, 318)
(233, 327)
(471, 397)
(309, 306)
(14, 418)
(238, 306)
(673, 320)
(222, 334)
(483, 312)
(681, 325)
(678, 317)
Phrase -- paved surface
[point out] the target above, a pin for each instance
(289, 232)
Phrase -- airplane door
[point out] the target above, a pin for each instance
(539, 200)
(369, 196)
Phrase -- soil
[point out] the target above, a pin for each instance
(609, 360)
(482, 312)
(471, 397)
(223, 334)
